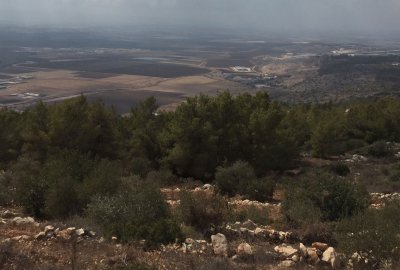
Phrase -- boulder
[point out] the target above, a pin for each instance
(244, 249)
(320, 246)
(220, 244)
(329, 256)
(285, 250)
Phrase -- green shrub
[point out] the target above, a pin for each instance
(7, 189)
(138, 211)
(240, 178)
(230, 180)
(379, 149)
(340, 169)
(203, 210)
(325, 198)
(30, 186)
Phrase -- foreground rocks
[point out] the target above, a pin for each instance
(319, 254)
(220, 245)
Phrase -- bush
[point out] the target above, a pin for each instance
(374, 232)
(379, 149)
(240, 178)
(340, 169)
(325, 198)
(203, 210)
(230, 180)
(7, 189)
(138, 211)
(30, 187)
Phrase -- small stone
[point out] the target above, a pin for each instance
(207, 187)
(286, 251)
(189, 241)
(48, 228)
(80, 232)
(71, 230)
(244, 249)
(259, 232)
(320, 246)
(295, 258)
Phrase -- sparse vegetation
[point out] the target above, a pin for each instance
(203, 211)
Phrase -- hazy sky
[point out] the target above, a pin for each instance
(380, 16)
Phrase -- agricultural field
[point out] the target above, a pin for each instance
(122, 70)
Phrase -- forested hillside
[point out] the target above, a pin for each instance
(82, 159)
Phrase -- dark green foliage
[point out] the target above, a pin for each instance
(240, 178)
(340, 169)
(7, 190)
(231, 180)
(30, 186)
(138, 211)
(324, 198)
(203, 210)
(64, 184)
(378, 149)
(374, 232)
(10, 136)
(206, 132)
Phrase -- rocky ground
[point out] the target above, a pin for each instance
(26, 243)
(30, 244)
